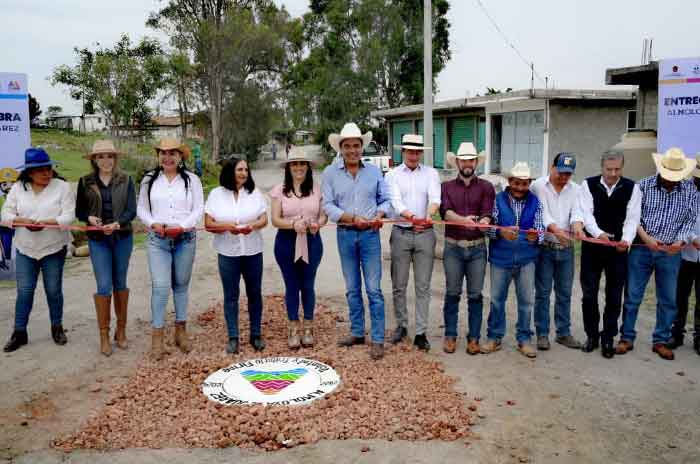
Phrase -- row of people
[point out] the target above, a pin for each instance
(356, 197)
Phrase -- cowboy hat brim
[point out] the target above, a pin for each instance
(37, 165)
(284, 163)
(334, 140)
(673, 176)
(92, 154)
(452, 158)
(183, 149)
(410, 147)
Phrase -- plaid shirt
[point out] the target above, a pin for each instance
(668, 216)
(518, 206)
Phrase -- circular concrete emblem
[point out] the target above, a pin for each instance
(273, 381)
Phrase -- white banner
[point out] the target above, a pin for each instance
(679, 105)
(15, 138)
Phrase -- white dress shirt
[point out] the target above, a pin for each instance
(413, 190)
(170, 203)
(689, 253)
(223, 206)
(560, 208)
(56, 201)
(634, 211)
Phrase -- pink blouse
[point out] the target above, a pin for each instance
(293, 207)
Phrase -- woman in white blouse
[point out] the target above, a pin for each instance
(236, 212)
(170, 205)
(39, 197)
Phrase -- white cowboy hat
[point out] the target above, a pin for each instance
(520, 171)
(696, 171)
(350, 131)
(466, 151)
(411, 142)
(673, 165)
(297, 154)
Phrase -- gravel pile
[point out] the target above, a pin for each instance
(405, 396)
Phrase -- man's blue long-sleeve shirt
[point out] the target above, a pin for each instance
(363, 195)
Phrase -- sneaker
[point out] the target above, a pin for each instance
(399, 334)
(527, 349)
(543, 343)
(491, 346)
(449, 344)
(569, 342)
(421, 342)
(473, 346)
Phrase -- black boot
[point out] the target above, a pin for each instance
(675, 341)
(590, 345)
(696, 345)
(58, 335)
(421, 342)
(257, 342)
(399, 334)
(232, 347)
(607, 350)
(18, 338)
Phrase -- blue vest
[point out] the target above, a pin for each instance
(514, 253)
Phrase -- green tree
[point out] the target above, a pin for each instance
(34, 108)
(180, 82)
(53, 111)
(119, 82)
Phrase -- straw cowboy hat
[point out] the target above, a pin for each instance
(350, 131)
(8, 175)
(673, 165)
(466, 151)
(411, 142)
(168, 143)
(102, 147)
(520, 171)
(696, 171)
(297, 154)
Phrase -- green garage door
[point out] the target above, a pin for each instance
(481, 146)
(461, 130)
(438, 141)
(398, 129)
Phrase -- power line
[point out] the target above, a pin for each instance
(508, 42)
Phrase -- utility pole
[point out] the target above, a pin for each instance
(428, 82)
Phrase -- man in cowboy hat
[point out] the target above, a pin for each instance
(467, 199)
(555, 262)
(415, 195)
(356, 197)
(688, 276)
(512, 254)
(610, 207)
(669, 212)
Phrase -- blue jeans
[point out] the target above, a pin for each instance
(524, 277)
(231, 268)
(361, 255)
(170, 261)
(110, 262)
(641, 263)
(554, 267)
(299, 277)
(28, 269)
(460, 263)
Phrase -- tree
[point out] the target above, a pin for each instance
(53, 111)
(360, 55)
(180, 82)
(119, 82)
(34, 108)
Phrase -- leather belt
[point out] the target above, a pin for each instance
(413, 229)
(555, 246)
(466, 243)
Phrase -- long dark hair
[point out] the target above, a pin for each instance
(25, 179)
(227, 178)
(307, 186)
(153, 175)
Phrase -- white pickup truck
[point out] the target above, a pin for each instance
(375, 154)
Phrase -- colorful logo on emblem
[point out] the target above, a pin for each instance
(272, 382)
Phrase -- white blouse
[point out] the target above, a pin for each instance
(56, 201)
(170, 203)
(223, 207)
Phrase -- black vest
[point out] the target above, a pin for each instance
(610, 212)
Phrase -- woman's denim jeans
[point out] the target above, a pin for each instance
(299, 277)
(110, 262)
(231, 268)
(51, 268)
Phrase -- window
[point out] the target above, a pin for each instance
(517, 137)
(631, 119)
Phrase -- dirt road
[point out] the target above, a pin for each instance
(565, 406)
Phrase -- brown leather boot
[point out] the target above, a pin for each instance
(293, 340)
(121, 303)
(181, 340)
(103, 307)
(307, 339)
(157, 345)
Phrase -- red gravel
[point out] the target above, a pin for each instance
(405, 396)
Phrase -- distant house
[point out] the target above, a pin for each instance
(83, 124)
(524, 125)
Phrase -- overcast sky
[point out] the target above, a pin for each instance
(571, 41)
